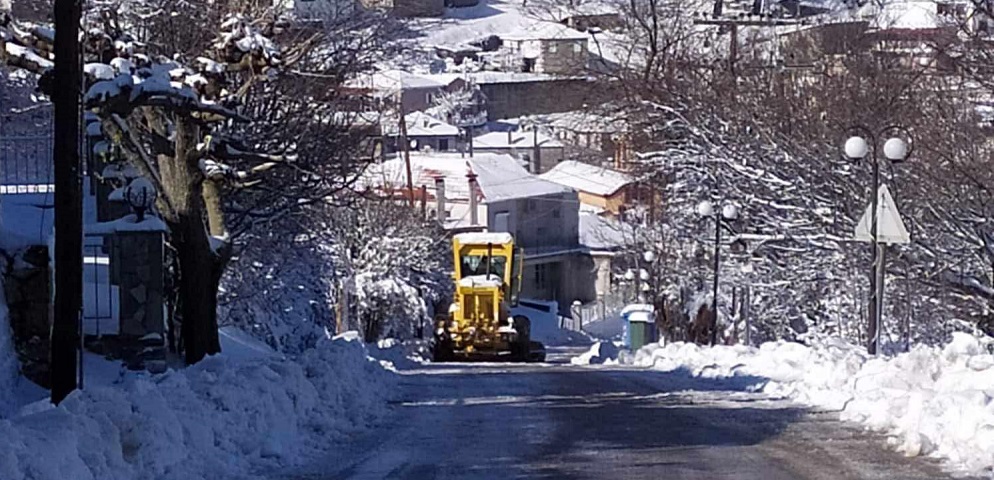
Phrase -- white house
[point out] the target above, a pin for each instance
(327, 10)
(546, 47)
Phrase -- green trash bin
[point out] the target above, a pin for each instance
(641, 329)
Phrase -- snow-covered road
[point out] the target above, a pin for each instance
(483, 421)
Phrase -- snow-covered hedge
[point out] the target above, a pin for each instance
(222, 418)
(933, 401)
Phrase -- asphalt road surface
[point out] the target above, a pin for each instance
(542, 421)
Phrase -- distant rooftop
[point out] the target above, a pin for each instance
(500, 177)
(420, 124)
(545, 31)
(515, 139)
(587, 178)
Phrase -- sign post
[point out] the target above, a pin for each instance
(890, 229)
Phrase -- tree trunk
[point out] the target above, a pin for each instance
(200, 266)
(199, 276)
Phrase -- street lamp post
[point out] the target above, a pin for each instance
(729, 212)
(896, 150)
(630, 277)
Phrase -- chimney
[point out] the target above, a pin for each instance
(537, 155)
(510, 138)
(474, 217)
(440, 199)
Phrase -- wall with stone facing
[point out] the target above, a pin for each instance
(137, 269)
(26, 284)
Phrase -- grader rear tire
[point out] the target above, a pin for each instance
(520, 348)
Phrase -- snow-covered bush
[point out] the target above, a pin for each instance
(279, 289)
(391, 265)
(463, 108)
(377, 264)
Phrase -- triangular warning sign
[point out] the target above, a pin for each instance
(890, 227)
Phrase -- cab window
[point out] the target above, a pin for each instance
(477, 265)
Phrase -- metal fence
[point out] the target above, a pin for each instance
(101, 309)
(26, 164)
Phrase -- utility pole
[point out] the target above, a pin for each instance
(407, 153)
(68, 202)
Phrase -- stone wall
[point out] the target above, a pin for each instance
(26, 285)
(137, 267)
(515, 99)
(566, 57)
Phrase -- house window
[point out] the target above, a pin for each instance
(541, 276)
(577, 48)
(555, 212)
(443, 145)
(501, 222)
(553, 48)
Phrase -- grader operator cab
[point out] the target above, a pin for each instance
(479, 324)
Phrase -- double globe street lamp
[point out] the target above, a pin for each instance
(896, 149)
(728, 212)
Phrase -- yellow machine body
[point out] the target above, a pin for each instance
(487, 281)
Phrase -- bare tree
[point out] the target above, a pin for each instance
(253, 100)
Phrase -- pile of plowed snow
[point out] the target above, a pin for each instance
(224, 417)
(932, 401)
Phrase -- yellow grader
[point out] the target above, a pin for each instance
(479, 324)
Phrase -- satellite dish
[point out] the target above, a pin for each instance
(414, 144)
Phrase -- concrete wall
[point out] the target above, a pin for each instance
(602, 271)
(563, 279)
(541, 222)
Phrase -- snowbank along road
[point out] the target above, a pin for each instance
(556, 421)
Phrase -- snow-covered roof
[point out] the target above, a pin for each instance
(906, 15)
(490, 77)
(475, 238)
(601, 233)
(499, 176)
(516, 139)
(581, 121)
(595, 7)
(544, 31)
(420, 124)
(507, 181)
(588, 178)
(395, 80)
